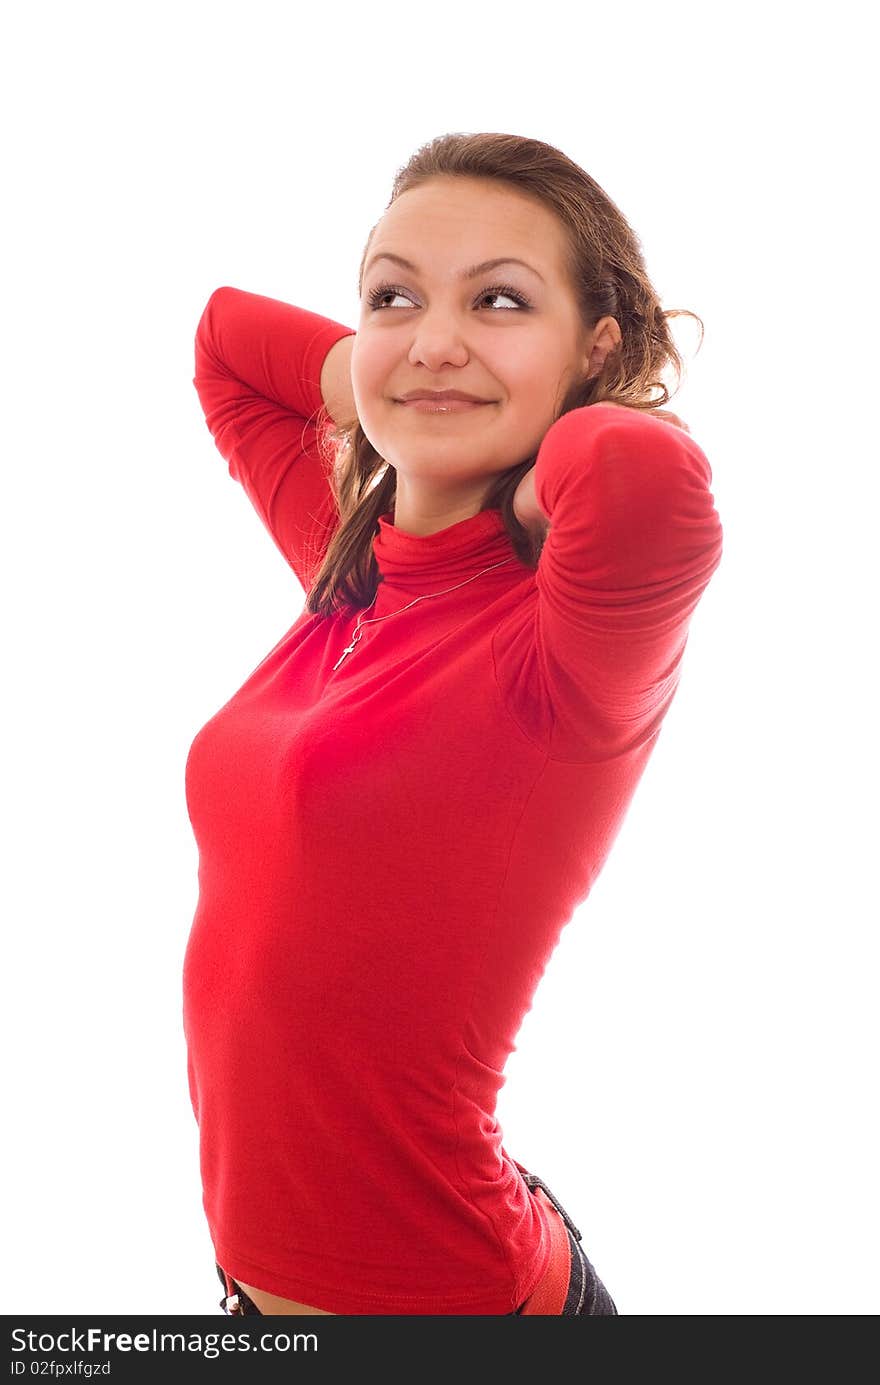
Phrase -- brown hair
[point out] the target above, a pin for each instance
(607, 271)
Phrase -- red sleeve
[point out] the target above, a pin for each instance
(258, 367)
(634, 540)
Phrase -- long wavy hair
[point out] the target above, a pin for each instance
(605, 263)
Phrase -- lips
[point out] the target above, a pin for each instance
(443, 405)
(440, 396)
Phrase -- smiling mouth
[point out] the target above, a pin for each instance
(443, 406)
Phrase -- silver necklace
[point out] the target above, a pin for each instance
(357, 630)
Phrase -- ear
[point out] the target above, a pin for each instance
(605, 338)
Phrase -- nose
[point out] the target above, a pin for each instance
(438, 341)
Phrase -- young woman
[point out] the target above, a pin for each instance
(398, 811)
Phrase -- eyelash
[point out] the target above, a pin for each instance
(381, 289)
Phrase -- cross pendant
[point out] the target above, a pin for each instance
(345, 651)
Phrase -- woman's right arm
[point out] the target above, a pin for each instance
(259, 363)
(336, 388)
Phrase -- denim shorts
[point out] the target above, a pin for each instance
(570, 1285)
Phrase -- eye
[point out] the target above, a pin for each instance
(498, 290)
(383, 291)
(505, 291)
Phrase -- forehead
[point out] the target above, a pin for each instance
(458, 221)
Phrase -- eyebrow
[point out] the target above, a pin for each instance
(470, 273)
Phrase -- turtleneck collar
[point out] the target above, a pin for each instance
(418, 562)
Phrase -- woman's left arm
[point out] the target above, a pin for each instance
(632, 541)
(525, 505)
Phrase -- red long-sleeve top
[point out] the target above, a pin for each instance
(389, 850)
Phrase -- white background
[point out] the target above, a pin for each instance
(697, 1077)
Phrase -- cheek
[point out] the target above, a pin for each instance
(528, 413)
(529, 394)
(374, 365)
(530, 386)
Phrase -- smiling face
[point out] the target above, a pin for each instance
(511, 334)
